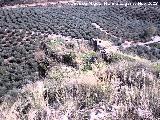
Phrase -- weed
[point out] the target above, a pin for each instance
(56, 42)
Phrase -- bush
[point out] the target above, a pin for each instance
(88, 59)
(68, 58)
(150, 31)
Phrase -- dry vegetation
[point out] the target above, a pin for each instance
(44, 76)
(125, 89)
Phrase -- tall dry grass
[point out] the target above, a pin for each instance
(122, 90)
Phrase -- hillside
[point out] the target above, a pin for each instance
(75, 62)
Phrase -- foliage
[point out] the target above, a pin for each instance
(150, 31)
(120, 56)
(87, 60)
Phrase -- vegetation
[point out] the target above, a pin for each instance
(150, 31)
(45, 75)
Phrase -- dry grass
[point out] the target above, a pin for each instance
(39, 55)
(123, 90)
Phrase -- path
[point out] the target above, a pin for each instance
(127, 44)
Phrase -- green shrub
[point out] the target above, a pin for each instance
(87, 66)
(86, 58)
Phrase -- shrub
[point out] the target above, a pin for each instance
(88, 59)
(150, 31)
(2, 71)
(69, 59)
